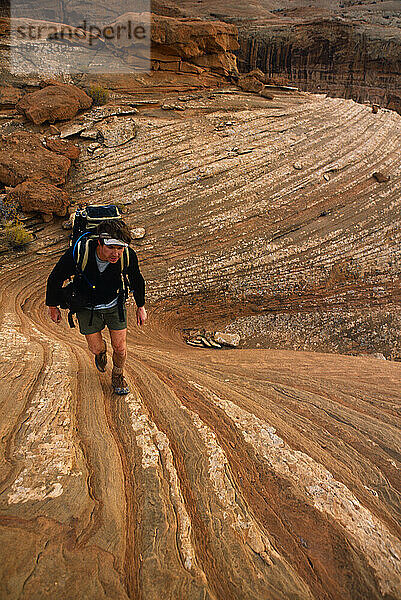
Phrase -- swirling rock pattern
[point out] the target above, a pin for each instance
(224, 474)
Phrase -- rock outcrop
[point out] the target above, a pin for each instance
(178, 43)
(23, 156)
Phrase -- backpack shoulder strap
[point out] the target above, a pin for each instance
(80, 252)
(124, 260)
(84, 254)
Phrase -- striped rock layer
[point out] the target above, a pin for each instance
(223, 475)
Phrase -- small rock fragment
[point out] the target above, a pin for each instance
(227, 339)
(172, 107)
(194, 343)
(380, 177)
(379, 356)
(138, 233)
(54, 130)
(206, 342)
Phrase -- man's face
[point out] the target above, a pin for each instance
(110, 253)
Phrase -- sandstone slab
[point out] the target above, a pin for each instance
(112, 132)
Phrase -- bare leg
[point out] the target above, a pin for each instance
(95, 342)
(119, 344)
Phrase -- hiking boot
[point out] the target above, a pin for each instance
(101, 359)
(119, 383)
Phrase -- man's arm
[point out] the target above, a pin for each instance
(64, 269)
(137, 285)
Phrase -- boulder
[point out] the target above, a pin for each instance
(37, 196)
(227, 339)
(250, 84)
(23, 156)
(63, 147)
(9, 95)
(257, 74)
(54, 103)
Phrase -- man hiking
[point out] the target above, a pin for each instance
(102, 286)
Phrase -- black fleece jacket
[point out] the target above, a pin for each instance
(107, 284)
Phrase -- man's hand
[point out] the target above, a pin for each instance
(141, 315)
(55, 314)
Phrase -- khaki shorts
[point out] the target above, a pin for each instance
(101, 318)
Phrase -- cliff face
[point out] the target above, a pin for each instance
(339, 58)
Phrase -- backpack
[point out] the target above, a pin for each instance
(87, 219)
(78, 293)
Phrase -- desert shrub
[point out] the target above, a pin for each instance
(99, 94)
(17, 235)
(8, 209)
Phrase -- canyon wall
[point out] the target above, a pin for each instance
(332, 56)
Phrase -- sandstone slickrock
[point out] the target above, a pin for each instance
(23, 156)
(37, 196)
(224, 474)
(9, 95)
(54, 103)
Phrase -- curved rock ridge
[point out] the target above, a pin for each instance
(242, 474)
(225, 474)
(265, 201)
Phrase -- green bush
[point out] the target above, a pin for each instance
(17, 235)
(99, 94)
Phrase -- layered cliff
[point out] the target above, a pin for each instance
(341, 58)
